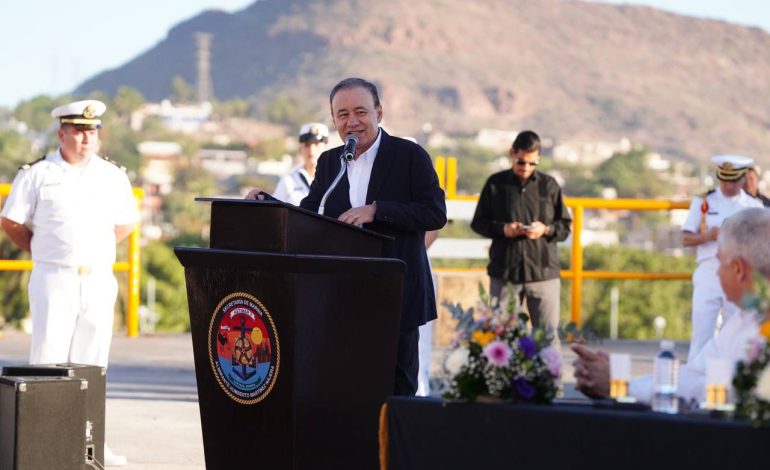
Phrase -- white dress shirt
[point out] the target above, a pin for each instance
(360, 172)
(731, 344)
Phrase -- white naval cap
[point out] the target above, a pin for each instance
(81, 113)
(313, 132)
(732, 167)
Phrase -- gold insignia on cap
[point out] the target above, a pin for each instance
(89, 112)
(314, 130)
(727, 166)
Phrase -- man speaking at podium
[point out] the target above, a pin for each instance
(392, 188)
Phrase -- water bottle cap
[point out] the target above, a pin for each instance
(667, 345)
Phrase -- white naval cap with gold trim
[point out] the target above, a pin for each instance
(732, 167)
(81, 113)
(313, 132)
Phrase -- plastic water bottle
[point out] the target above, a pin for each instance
(665, 379)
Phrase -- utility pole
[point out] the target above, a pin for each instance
(205, 86)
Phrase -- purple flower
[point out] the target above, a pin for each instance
(528, 346)
(498, 353)
(552, 359)
(523, 388)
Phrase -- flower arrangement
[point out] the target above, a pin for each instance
(495, 355)
(752, 377)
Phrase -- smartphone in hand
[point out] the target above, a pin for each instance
(526, 227)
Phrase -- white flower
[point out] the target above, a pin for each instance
(552, 359)
(763, 385)
(456, 360)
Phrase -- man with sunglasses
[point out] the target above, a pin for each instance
(523, 212)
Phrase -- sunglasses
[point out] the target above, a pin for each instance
(521, 162)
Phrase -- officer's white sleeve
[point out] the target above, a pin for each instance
(126, 212)
(282, 188)
(21, 202)
(692, 223)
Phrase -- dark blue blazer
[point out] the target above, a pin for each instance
(409, 202)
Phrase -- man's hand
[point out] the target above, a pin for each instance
(695, 239)
(711, 235)
(359, 215)
(254, 195)
(513, 229)
(122, 231)
(537, 230)
(19, 234)
(533, 231)
(592, 371)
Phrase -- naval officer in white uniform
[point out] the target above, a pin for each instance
(293, 188)
(69, 209)
(700, 230)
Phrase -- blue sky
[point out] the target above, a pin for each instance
(49, 46)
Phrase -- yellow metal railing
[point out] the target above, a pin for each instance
(446, 168)
(131, 266)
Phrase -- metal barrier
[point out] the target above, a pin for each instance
(131, 266)
(446, 168)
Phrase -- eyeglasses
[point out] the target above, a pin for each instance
(521, 162)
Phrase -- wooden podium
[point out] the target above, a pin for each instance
(295, 321)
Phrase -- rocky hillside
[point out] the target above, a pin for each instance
(569, 69)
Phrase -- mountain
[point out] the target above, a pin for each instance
(685, 86)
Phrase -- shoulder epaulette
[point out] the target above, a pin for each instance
(710, 191)
(27, 166)
(108, 159)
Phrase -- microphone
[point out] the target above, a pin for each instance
(349, 152)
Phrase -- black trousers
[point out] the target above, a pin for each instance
(407, 363)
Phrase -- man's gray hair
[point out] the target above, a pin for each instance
(747, 235)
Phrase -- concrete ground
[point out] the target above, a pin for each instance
(152, 402)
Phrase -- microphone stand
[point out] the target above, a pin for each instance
(343, 167)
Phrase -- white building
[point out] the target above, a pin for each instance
(185, 118)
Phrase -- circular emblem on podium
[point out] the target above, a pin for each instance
(243, 348)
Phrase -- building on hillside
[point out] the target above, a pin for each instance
(495, 139)
(588, 153)
(158, 164)
(184, 118)
(276, 167)
(159, 161)
(223, 163)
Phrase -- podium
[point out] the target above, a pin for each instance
(294, 319)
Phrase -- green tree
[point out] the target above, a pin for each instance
(126, 101)
(629, 174)
(475, 164)
(232, 108)
(36, 113)
(15, 150)
(13, 285)
(170, 295)
(640, 301)
(284, 109)
(180, 91)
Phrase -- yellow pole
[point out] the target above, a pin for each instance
(451, 177)
(132, 314)
(577, 263)
(441, 171)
